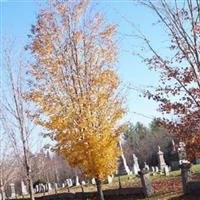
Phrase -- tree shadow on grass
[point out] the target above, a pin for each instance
(114, 194)
(186, 197)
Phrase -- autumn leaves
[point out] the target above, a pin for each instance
(75, 86)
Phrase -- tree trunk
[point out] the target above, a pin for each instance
(99, 189)
(119, 180)
(31, 189)
(27, 164)
(2, 191)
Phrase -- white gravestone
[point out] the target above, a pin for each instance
(69, 182)
(43, 187)
(37, 188)
(153, 170)
(23, 188)
(166, 170)
(49, 186)
(12, 187)
(83, 182)
(136, 167)
(110, 179)
(93, 181)
(124, 160)
(161, 160)
(146, 166)
(2, 194)
(77, 181)
(156, 169)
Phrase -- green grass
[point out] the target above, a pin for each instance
(133, 181)
(196, 168)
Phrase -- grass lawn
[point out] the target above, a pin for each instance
(165, 187)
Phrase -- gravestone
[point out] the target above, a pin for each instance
(136, 167)
(83, 182)
(23, 188)
(55, 186)
(110, 179)
(182, 153)
(190, 184)
(37, 188)
(185, 174)
(146, 183)
(156, 169)
(2, 193)
(2, 196)
(12, 187)
(146, 166)
(153, 171)
(93, 181)
(123, 167)
(77, 181)
(49, 187)
(174, 158)
(161, 160)
(69, 182)
(46, 188)
(166, 170)
(41, 188)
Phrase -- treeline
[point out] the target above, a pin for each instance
(144, 141)
(45, 167)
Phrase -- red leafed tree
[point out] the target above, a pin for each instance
(179, 91)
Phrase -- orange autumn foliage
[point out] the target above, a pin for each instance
(178, 92)
(75, 86)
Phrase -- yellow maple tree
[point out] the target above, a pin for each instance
(76, 88)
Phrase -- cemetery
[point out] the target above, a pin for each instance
(131, 188)
(153, 182)
(100, 100)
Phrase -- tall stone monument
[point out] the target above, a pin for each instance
(161, 160)
(136, 167)
(182, 153)
(123, 167)
(174, 158)
(77, 181)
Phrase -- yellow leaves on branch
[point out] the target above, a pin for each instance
(76, 87)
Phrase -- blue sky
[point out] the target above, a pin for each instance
(17, 17)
